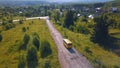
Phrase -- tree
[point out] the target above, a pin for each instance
(0, 37)
(8, 26)
(32, 60)
(101, 28)
(69, 20)
(26, 39)
(21, 21)
(36, 42)
(45, 49)
(21, 63)
(47, 64)
(56, 15)
(24, 29)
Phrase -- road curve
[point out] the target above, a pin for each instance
(69, 58)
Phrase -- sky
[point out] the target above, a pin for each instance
(82, 1)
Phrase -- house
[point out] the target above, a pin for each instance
(114, 9)
(91, 16)
(78, 15)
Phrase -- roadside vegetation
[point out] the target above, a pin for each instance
(97, 39)
(20, 44)
(97, 55)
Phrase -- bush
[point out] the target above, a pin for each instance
(35, 35)
(47, 64)
(36, 42)
(27, 28)
(24, 29)
(1, 37)
(21, 63)
(4, 22)
(45, 49)
(26, 39)
(115, 66)
(9, 26)
(32, 60)
(20, 22)
(87, 49)
(81, 27)
(83, 30)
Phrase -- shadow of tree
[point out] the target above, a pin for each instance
(111, 43)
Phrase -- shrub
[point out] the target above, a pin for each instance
(45, 49)
(1, 37)
(9, 26)
(21, 63)
(87, 49)
(81, 27)
(20, 22)
(115, 66)
(32, 60)
(26, 39)
(47, 64)
(4, 22)
(36, 42)
(83, 30)
(35, 35)
(24, 29)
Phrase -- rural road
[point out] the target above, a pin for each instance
(69, 58)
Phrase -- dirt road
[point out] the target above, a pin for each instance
(69, 58)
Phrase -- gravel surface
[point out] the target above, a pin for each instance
(69, 58)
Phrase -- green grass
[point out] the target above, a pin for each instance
(115, 33)
(98, 56)
(12, 38)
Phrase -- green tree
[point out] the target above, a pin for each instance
(21, 21)
(101, 28)
(0, 37)
(36, 42)
(23, 45)
(24, 29)
(56, 15)
(32, 60)
(47, 64)
(8, 26)
(45, 49)
(21, 63)
(26, 39)
(69, 19)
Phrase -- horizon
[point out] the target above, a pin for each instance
(80, 1)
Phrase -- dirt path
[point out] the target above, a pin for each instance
(69, 58)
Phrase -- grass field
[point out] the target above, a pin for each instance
(98, 56)
(9, 45)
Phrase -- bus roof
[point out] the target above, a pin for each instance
(67, 41)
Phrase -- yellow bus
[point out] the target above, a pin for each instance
(67, 43)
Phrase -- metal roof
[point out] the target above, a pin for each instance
(67, 40)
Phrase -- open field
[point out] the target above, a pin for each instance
(98, 56)
(13, 37)
(115, 33)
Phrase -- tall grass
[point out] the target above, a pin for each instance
(13, 38)
(98, 56)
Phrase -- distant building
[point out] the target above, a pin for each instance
(91, 16)
(20, 12)
(98, 9)
(114, 9)
(78, 15)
